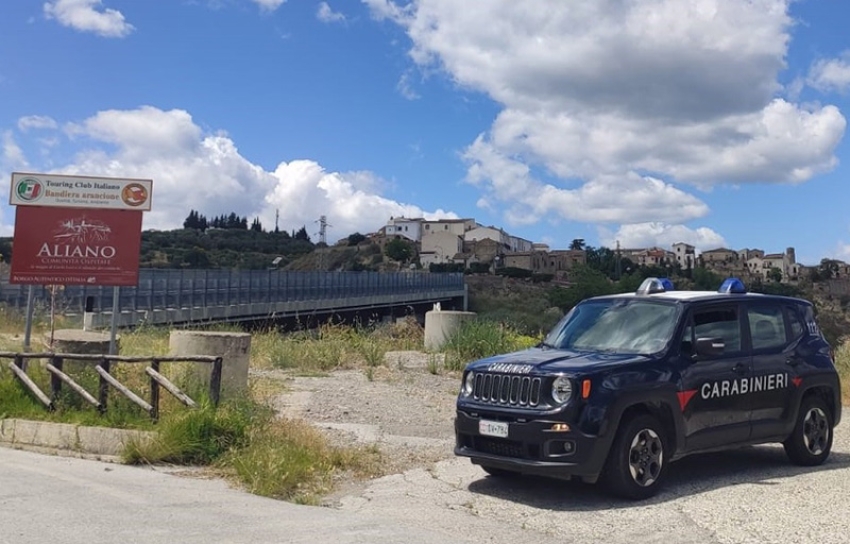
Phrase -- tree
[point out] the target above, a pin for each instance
(256, 225)
(399, 250)
(301, 234)
(706, 280)
(356, 238)
(827, 269)
(577, 244)
(774, 274)
(585, 282)
(195, 221)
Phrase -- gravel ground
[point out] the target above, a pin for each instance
(750, 495)
(404, 409)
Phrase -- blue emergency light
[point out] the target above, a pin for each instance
(732, 285)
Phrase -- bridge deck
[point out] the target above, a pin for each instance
(181, 296)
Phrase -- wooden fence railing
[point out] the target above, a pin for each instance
(18, 365)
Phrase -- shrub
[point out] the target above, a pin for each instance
(443, 268)
(513, 272)
(478, 268)
(479, 338)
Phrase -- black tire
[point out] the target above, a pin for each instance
(637, 463)
(811, 440)
(499, 472)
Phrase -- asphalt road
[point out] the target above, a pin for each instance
(46, 499)
(752, 495)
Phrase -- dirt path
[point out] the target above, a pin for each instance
(404, 409)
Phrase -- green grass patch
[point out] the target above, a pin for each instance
(479, 338)
(332, 346)
(288, 459)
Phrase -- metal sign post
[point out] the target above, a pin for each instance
(116, 306)
(77, 230)
(28, 323)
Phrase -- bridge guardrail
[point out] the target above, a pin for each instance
(170, 288)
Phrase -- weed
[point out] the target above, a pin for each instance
(433, 364)
(291, 460)
(373, 352)
(479, 338)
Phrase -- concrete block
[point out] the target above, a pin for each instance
(233, 347)
(108, 441)
(440, 325)
(44, 434)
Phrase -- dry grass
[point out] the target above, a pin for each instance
(332, 347)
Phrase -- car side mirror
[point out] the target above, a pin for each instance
(710, 347)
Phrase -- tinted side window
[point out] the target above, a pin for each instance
(794, 322)
(719, 323)
(767, 326)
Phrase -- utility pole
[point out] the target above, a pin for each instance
(276, 219)
(323, 229)
(323, 239)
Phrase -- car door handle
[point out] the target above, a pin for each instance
(740, 369)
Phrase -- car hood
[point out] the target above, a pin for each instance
(546, 360)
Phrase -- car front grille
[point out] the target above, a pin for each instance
(507, 389)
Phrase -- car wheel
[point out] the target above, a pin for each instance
(637, 462)
(499, 472)
(811, 440)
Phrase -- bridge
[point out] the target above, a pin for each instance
(174, 297)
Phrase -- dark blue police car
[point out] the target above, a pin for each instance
(625, 384)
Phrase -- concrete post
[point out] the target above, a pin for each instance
(78, 341)
(82, 342)
(441, 324)
(233, 347)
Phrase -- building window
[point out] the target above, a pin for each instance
(427, 227)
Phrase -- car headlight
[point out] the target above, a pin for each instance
(468, 384)
(562, 390)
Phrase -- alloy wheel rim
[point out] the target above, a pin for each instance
(646, 457)
(815, 431)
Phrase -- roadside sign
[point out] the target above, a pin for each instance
(68, 246)
(49, 190)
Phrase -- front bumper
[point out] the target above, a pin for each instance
(531, 447)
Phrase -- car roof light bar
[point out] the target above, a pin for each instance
(732, 285)
(654, 285)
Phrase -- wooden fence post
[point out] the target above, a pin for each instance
(154, 392)
(55, 381)
(103, 391)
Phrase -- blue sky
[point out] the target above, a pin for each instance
(715, 122)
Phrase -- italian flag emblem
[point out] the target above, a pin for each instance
(29, 189)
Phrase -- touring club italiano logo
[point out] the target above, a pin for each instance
(29, 189)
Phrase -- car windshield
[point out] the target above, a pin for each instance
(617, 325)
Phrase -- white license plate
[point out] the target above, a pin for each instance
(493, 428)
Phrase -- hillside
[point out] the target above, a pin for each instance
(535, 307)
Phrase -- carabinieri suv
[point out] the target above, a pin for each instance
(625, 384)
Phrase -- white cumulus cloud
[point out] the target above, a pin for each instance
(88, 16)
(328, 15)
(662, 235)
(625, 108)
(831, 74)
(195, 169)
(29, 122)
